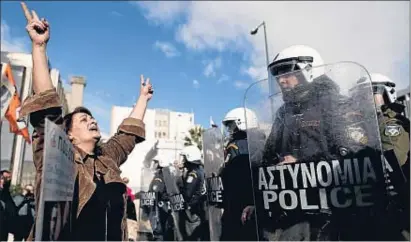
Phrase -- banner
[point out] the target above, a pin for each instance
(12, 105)
(58, 178)
(7, 91)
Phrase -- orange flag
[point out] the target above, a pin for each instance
(17, 124)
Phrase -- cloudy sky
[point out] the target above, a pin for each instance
(200, 55)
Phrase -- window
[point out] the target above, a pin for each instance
(159, 134)
(164, 134)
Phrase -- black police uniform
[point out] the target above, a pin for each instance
(161, 218)
(194, 192)
(238, 190)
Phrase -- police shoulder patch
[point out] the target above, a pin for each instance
(155, 187)
(392, 130)
(193, 174)
(190, 179)
(232, 145)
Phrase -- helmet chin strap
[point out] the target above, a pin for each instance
(379, 101)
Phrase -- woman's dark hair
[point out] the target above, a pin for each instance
(68, 118)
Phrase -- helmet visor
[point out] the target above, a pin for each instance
(229, 127)
(283, 68)
(378, 89)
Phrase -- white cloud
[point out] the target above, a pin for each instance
(196, 84)
(167, 48)
(373, 33)
(256, 72)
(12, 44)
(115, 13)
(223, 78)
(241, 84)
(212, 66)
(162, 12)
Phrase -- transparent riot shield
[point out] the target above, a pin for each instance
(213, 154)
(148, 205)
(177, 204)
(318, 174)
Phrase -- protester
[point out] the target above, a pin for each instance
(7, 206)
(99, 201)
(25, 213)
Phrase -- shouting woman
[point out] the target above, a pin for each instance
(99, 202)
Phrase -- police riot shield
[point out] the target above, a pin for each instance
(213, 154)
(148, 205)
(176, 200)
(318, 173)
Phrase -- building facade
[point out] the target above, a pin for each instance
(167, 127)
(16, 154)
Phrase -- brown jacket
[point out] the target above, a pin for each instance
(103, 164)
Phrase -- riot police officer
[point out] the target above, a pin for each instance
(194, 192)
(394, 127)
(161, 220)
(395, 136)
(236, 177)
(395, 140)
(310, 126)
(312, 103)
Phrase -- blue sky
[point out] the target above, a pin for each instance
(115, 44)
(200, 55)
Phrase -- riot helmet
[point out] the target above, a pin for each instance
(162, 161)
(191, 154)
(383, 89)
(292, 68)
(382, 85)
(239, 119)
